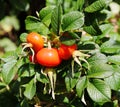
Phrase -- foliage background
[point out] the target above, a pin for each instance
(12, 24)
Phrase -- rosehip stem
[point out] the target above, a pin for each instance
(49, 45)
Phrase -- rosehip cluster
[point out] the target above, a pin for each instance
(48, 56)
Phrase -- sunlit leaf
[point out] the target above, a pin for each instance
(98, 57)
(30, 89)
(56, 19)
(23, 37)
(80, 4)
(97, 5)
(45, 14)
(34, 24)
(114, 59)
(42, 78)
(114, 80)
(99, 91)
(81, 85)
(8, 72)
(99, 70)
(90, 30)
(72, 20)
(110, 46)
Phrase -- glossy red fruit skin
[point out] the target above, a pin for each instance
(48, 57)
(36, 40)
(65, 51)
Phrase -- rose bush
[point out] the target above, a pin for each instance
(88, 76)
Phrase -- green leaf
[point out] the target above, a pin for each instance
(71, 81)
(19, 63)
(24, 103)
(42, 78)
(98, 66)
(104, 15)
(26, 70)
(81, 85)
(30, 89)
(99, 91)
(90, 30)
(106, 28)
(87, 45)
(10, 69)
(93, 29)
(114, 59)
(8, 73)
(114, 80)
(96, 58)
(8, 56)
(51, 2)
(23, 37)
(97, 6)
(87, 37)
(18, 51)
(2, 85)
(66, 100)
(80, 4)
(56, 19)
(34, 24)
(72, 20)
(99, 70)
(111, 46)
(68, 38)
(45, 15)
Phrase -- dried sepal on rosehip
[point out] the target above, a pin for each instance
(35, 42)
(78, 56)
(50, 73)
